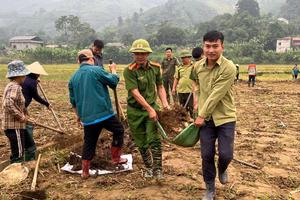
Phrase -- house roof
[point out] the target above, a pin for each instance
(26, 38)
(290, 38)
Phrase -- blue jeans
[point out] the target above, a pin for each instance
(208, 136)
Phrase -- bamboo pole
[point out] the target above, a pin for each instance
(48, 127)
(33, 184)
(56, 118)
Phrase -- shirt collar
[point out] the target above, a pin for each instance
(218, 62)
(84, 63)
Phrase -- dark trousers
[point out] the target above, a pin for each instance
(209, 133)
(251, 80)
(183, 97)
(92, 132)
(29, 145)
(16, 140)
(168, 84)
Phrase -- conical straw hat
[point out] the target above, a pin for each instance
(36, 68)
(13, 174)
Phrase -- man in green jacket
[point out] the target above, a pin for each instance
(182, 82)
(168, 66)
(90, 99)
(143, 80)
(216, 114)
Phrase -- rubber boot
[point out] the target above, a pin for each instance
(223, 177)
(210, 191)
(85, 169)
(157, 161)
(147, 158)
(116, 156)
(29, 156)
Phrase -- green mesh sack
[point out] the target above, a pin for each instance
(188, 137)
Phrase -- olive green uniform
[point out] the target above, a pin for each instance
(216, 100)
(185, 86)
(144, 130)
(168, 68)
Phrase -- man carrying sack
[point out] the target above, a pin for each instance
(90, 99)
(217, 113)
(143, 80)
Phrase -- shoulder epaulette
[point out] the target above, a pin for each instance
(154, 64)
(132, 66)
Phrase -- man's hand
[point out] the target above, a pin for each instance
(113, 68)
(167, 107)
(153, 114)
(173, 92)
(49, 107)
(200, 121)
(79, 122)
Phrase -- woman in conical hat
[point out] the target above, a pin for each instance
(30, 92)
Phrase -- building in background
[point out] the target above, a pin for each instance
(287, 44)
(25, 42)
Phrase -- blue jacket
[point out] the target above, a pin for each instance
(89, 93)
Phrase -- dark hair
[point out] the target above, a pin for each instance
(197, 52)
(99, 44)
(82, 58)
(213, 36)
(169, 48)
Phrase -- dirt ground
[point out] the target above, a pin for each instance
(267, 135)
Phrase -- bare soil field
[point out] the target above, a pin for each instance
(267, 135)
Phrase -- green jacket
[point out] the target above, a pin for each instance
(169, 66)
(89, 92)
(185, 84)
(216, 90)
(145, 79)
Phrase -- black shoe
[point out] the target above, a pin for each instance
(210, 191)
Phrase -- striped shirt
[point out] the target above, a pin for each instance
(13, 107)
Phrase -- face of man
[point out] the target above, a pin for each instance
(140, 58)
(96, 50)
(186, 60)
(168, 53)
(213, 50)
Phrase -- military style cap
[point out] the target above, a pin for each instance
(140, 46)
(185, 53)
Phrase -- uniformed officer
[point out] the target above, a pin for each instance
(168, 66)
(216, 113)
(183, 85)
(143, 80)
